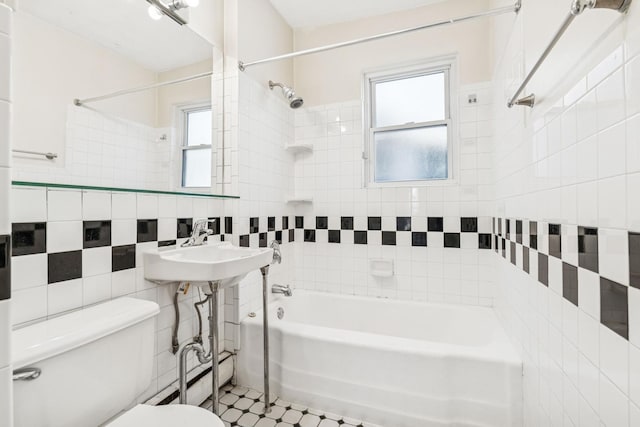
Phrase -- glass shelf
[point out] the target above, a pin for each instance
(116, 189)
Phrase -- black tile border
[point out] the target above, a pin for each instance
(5, 267)
(64, 266)
(96, 234)
(614, 300)
(123, 258)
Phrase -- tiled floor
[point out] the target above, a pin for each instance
(242, 407)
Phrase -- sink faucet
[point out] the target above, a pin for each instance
(281, 289)
(199, 233)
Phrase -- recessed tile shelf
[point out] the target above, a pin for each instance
(300, 200)
(116, 189)
(299, 148)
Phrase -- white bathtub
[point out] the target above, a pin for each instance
(388, 362)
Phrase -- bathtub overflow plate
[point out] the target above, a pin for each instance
(280, 312)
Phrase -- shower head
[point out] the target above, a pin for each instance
(289, 93)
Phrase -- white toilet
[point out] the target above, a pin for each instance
(94, 363)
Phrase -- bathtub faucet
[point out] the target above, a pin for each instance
(281, 289)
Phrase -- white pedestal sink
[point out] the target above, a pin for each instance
(213, 267)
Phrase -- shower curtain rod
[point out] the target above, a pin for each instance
(80, 102)
(577, 7)
(493, 12)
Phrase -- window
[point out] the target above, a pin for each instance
(409, 124)
(196, 146)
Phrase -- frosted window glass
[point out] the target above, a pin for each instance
(196, 169)
(199, 128)
(410, 100)
(411, 154)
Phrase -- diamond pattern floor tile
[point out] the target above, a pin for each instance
(242, 407)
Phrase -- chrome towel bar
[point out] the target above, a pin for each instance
(577, 7)
(49, 156)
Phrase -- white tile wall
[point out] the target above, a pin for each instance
(64, 210)
(262, 170)
(107, 151)
(577, 371)
(6, 402)
(332, 176)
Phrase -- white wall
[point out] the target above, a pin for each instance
(183, 93)
(6, 400)
(56, 67)
(573, 161)
(335, 76)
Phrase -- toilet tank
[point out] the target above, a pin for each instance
(95, 362)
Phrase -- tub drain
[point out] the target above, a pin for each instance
(280, 312)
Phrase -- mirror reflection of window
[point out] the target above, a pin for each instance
(196, 147)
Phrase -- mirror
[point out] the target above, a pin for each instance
(156, 139)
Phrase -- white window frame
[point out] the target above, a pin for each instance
(445, 64)
(182, 117)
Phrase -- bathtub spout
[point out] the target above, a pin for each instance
(281, 289)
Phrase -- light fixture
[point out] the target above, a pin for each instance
(158, 8)
(155, 13)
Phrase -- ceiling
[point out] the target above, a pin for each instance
(314, 13)
(125, 27)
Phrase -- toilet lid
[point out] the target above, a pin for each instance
(167, 416)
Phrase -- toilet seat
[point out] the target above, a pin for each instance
(167, 416)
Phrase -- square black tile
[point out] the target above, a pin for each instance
(570, 283)
(469, 225)
(279, 237)
(244, 241)
(403, 223)
(512, 252)
(543, 269)
(634, 260)
(374, 223)
(497, 243)
(451, 240)
(262, 240)
(322, 223)
(555, 241)
(300, 222)
(508, 230)
(166, 243)
(334, 236)
(504, 248)
(418, 238)
(147, 230)
(588, 248)
(271, 223)
(484, 241)
(5, 267)
(215, 225)
(184, 228)
(123, 257)
(435, 224)
(389, 238)
(310, 236)
(500, 227)
(292, 235)
(346, 223)
(360, 237)
(533, 235)
(28, 238)
(614, 307)
(96, 234)
(228, 225)
(65, 266)
(285, 222)
(254, 225)
(525, 259)
(518, 231)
